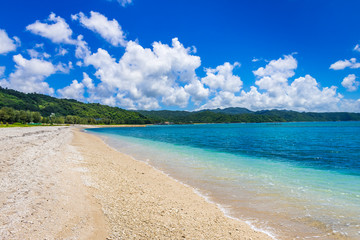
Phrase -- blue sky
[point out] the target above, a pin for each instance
(271, 54)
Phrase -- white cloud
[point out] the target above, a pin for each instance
(123, 2)
(350, 83)
(222, 99)
(307, 95)
(274, 77)
(276, 92)
(82, 49)
(2, 71)
(6, 43)
(222, 78)
(39, 45)
(342, 64)
(357, 48)
(197, 91)
(64, 68)
(110, 30)
(280, 69)
(350, 105)
(176, 96)
(57, 30)
(61, 51)
(35, 54)
(29, 75)
(87, 81)
(17, 41)
(144, 77)
(74, 91)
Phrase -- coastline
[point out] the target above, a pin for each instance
(142, 202)
(62, 183)
(269, 210)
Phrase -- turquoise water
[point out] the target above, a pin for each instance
(292, 180)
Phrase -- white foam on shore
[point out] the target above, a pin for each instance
(227, 213)
(195, 190)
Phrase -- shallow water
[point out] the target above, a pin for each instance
(293, 180)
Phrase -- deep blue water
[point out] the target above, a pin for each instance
(291, 179)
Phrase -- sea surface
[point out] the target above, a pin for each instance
(290, 180)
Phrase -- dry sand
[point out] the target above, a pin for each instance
(60, 183)
(41, 192)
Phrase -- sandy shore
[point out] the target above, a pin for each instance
(60, 183)
(42, 195)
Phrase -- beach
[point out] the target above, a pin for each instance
(61, 183)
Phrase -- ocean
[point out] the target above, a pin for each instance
(290, 180)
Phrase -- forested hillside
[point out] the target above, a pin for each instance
(66, 110)
(232, 115)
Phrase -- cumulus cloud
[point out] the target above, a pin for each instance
(274, 77)
(197, 91)
(342, 64)
(222, 78)
(82, 49)
(350, 83)
(274, 90)
(29, 75)
(56, 29)
(143, 77)
(74, 91)
(110, 30)
(87, 81)
(7, 44)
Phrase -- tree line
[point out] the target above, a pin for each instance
(9, 116)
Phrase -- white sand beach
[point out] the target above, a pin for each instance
(61, 183)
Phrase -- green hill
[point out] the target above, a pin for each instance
(68, 108)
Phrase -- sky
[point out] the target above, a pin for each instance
(300, 55)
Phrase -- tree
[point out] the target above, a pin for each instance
(36, 117)
(7, 114)
(29, 116)
(23, 116)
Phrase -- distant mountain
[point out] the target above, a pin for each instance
(231, 110)
(234, 115)
(47, 105)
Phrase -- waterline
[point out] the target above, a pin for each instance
(291, 200)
